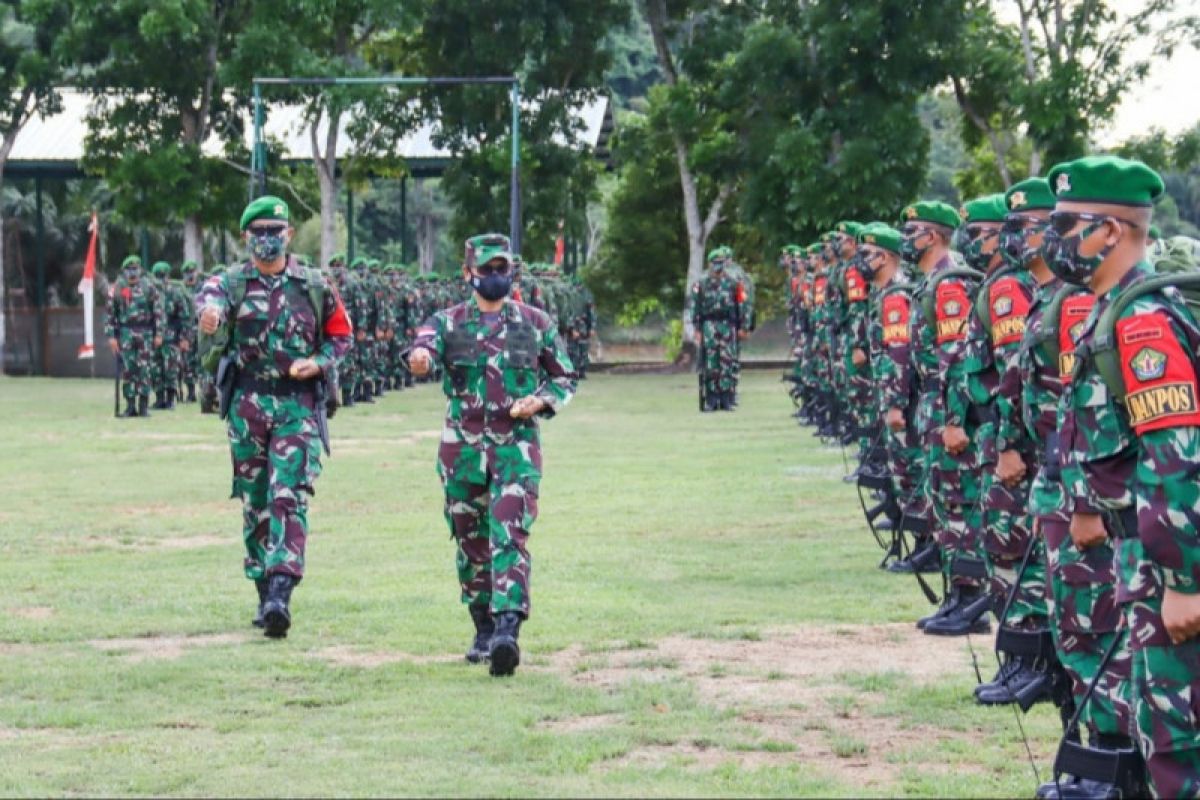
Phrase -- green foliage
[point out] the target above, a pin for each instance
(672, 340)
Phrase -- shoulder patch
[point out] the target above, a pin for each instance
(1010, 305)
(895, 311)
(1160, 380)
(952, 308)
(856, 286)
(1072, 319)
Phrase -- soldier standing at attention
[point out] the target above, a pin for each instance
(1131, 452)
(504, 365)
(134, 327)
(286, 327)
(717, 307)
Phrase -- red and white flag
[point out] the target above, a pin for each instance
(86, 288)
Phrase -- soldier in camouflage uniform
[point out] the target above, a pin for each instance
(384, 330)
(190, 370)
(582, 327)
(281, 344)
(504, 366)
(134, 326)
(717, 306)
(168, 358)
(347, 286)
(1131, 452)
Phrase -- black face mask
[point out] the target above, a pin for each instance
(492, 287)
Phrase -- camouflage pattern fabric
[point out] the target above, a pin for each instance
(490, 464)
(898, 384)
(273, 437)
(715, 304)
(136, 314)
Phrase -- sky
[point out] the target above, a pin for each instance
(1169, 98)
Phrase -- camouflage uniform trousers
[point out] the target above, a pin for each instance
(364, 356)
(863, 410)
(276, 460)
(1166, 701)
(381, 359)
(1007, 535)
(348, 369)
(491, 495)
(720, 357)
(137, 361)
(168, 364)
(1084, 617)
(906, 465)
(954, 490)
(395, 364)
(577, 349)
(189, 367)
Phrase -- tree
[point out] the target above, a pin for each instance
(554, 48)
(29, 71)
(155, 67)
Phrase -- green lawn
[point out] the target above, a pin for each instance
(708, 617)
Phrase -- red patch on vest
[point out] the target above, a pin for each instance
(1009, 308)
(126, 293)
(856, 287)
(953, 305)
(1071, 316)
(895, 310)
(1160, 379)
(739, 294)
(338, 323)
(819, 290)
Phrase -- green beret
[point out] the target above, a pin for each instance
(1029, 195)
(131, 261)
(934, 211)
(190, 266)
(336, 257)
(814, 248)
(989, 208)
(160, 268)
(359, 261)
(1154, 232)
(716, 253)
(849, 227)
(884, 236)
(1105, 179)
(375, 265)
(828, 235)
(265, 207)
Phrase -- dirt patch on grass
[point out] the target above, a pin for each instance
(33, 612)
(592, 722)
(344, 656)
(165, 648)
(18, 649)
(59, 737)
(790, 686)
(144, 545)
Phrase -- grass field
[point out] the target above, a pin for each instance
(708, 617)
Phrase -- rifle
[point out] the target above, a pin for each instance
(117, 386)
(321, 399)
(226, 381)
(700, 359)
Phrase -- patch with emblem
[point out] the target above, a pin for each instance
(911, 212)
(1148, 364)
(1018, 200)
(1002, 306)
(1063, 184)
(893, 316)
(278, 210)
(952, 308)
(1076, 330)
(1160, 381)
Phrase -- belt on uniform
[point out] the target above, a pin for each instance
(274, 386)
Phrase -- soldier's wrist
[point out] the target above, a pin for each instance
(1182, 582)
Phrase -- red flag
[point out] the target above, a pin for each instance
(86, 288)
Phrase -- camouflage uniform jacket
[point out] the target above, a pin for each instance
(135, 305)
(489, 366)
(276, 323)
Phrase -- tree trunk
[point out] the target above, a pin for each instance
(326, 164)
(426, 242)
(193, 240)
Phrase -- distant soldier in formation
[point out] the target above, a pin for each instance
(190, 369)
(720, 314)
(135, 327)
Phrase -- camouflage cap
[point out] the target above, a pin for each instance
(486, 247)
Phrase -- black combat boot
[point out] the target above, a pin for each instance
(408, 379)
(347, 400)
(130, 408)
(170, 403)
(261, 586)
(1007, 668)
(1026, 684)
(504, 653)
(277, 617)
(377, 388)
(191, 393)
(970, 616)
(1130, 783)
(364, 393)
(143, 402)
(949, 603)
(485, 626)
(160, 401)
(725, 401)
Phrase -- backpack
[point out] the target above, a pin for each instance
(1047, 338)
(211, 347)
(1177, 266)
(972, 277)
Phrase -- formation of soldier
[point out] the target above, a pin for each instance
(1022, 395)
(386, 302)
(720, 310)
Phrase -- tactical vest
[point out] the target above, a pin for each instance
(211, 347)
